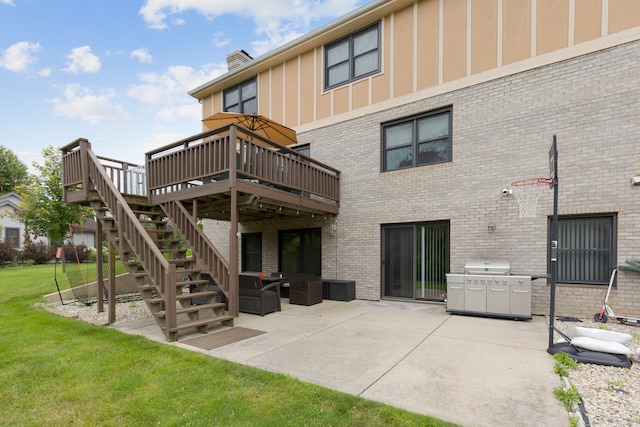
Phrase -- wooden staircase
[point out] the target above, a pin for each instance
(144, 237)
(189, 284)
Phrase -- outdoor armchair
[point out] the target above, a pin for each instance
(256, 299)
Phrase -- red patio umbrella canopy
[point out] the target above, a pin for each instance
(259, 124)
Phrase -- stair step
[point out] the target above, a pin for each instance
(196, 295)
(201, 322)
(160, 231)
(172, 250)
(151, 221)
(179, 262)
(138, 274)
(147, 212)
(194, 308)
(192, 282)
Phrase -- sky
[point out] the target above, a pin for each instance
(117, 72)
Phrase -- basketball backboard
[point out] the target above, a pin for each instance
(553, 159)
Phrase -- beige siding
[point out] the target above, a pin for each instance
(264, 88)
(588, 21)
(623, 14)
(277, 93)
(428, 35)
(207, 106)
(323, 103)
(381, 89)
(403, 44)
(455, 40)
(516, 35)
(360, 94)
(307, 87)
(291, 92)
(552, 25)
(341, 100)
(484, 35)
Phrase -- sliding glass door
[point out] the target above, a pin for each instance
(415, 260)
(300, 251)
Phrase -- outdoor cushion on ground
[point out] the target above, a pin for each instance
(600, 334)
(599, 345)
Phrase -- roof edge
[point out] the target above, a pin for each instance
(202, 90)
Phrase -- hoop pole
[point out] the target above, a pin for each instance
(554, 245)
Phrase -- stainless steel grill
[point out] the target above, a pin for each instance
(495, 267)
(488, 289)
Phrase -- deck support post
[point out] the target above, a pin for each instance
(99, 266)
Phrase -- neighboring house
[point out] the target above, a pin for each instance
(12, 229)
(430, 109)
(84, 235)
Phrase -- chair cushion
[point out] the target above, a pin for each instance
(594, 344)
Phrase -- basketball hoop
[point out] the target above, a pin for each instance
(527, 192)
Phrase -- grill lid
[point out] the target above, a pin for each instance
(484, 266)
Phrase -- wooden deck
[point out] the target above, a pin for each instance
(228, 173)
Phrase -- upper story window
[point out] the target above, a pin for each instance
(242, 98)
(419, 140)
(352, 57)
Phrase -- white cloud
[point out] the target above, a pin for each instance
(9, 2)
(174, 113)
(159, 139)
(81, 103)
(81, 60)
(168, 89)
(142, 55)
(279, 22)
(44, 72)
(19, 56)
(220, 39)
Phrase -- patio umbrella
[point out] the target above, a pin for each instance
(259, 124)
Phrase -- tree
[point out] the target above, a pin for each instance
(42, 209)
(12, 171)
(630, 265)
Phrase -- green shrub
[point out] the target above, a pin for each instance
(567, 397)
(563, 364)
(8, 253)
(37, 253)
(70, 252)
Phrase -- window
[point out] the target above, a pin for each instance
(242, 98)
(352, 57)
(12, 235)
(586, 249)
(252, 252)
(417, 141)
(300, 251)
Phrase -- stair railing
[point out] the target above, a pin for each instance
(160, 271)
(203, 249)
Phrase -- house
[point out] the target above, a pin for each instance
(424, 113)
(10, 228)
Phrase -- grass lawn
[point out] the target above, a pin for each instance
(56, 371)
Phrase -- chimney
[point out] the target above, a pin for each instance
(237, 58)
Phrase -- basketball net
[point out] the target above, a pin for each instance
(528, 191)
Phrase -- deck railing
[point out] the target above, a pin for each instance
(231, 149)
(128, 178)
